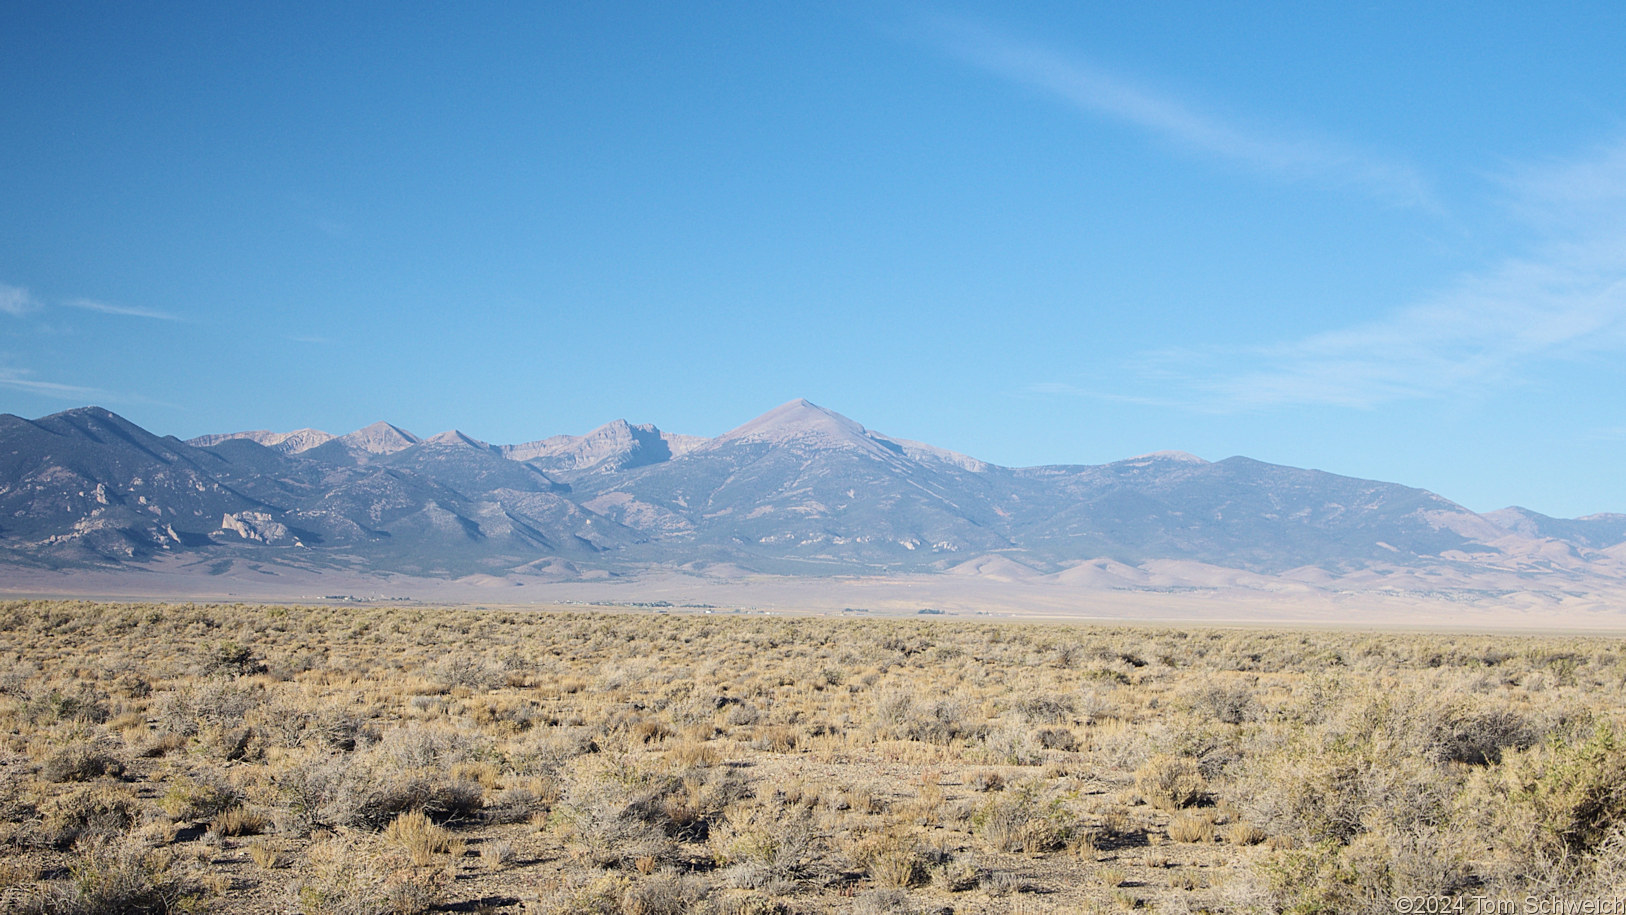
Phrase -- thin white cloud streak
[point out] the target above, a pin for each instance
(1483, 333)
(1096, 92)
(123, 310)
(1563, 302)
(12, 379)
(1559, 196)
(18, 379)
(15, 301)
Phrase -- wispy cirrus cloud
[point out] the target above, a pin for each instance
(1094, 91)
(122, 310)
(1564, 196)
(19, 302)
(1564, 300)
(16, 301)
(18, 379)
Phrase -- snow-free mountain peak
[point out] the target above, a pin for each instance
(807, 425)
(94, 421)
(798, 420)
(295, 442)
(798, 489)
(1178, 457)
(1595, 531)
(458, 439)
(616, 445)
(380, 438)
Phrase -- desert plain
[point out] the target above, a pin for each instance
(354, 757)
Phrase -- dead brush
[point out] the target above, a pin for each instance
(1191, 828)
(1243, 834)
(481, 772)
(859, 799)
(1379, 742)
(239, 821)
(893, 858)
(1170, 782)
(649, 730)
(686, 808)
(92, 811)
(957, 875)
(80, 763)
(1117, 823)
(662, 894)
(191, 798)
(926, 807)
(986, 780)
(417, 835)
(610, 815)
(120, 876)
(354, 875)
(690, 754)
(776, 739)
(1023, 822)
(497, 854)
(266, 855)
(519, 802)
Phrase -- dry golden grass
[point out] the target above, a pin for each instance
(414, 833)
(1191, 827)
(241, 758)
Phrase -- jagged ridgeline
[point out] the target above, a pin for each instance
(798, 490)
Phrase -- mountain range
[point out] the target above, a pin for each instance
(798, 491)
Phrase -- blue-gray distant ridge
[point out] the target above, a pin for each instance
(799, 490)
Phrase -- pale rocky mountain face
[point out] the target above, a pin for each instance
(1592, 531)
(800, 489)
(452, 438)
(295, 442)
(613, 446)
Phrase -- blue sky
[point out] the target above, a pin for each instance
(1386, 240)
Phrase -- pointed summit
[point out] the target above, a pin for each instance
(379, 438)
(801, 421)
(805, 425)
(457, 439)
